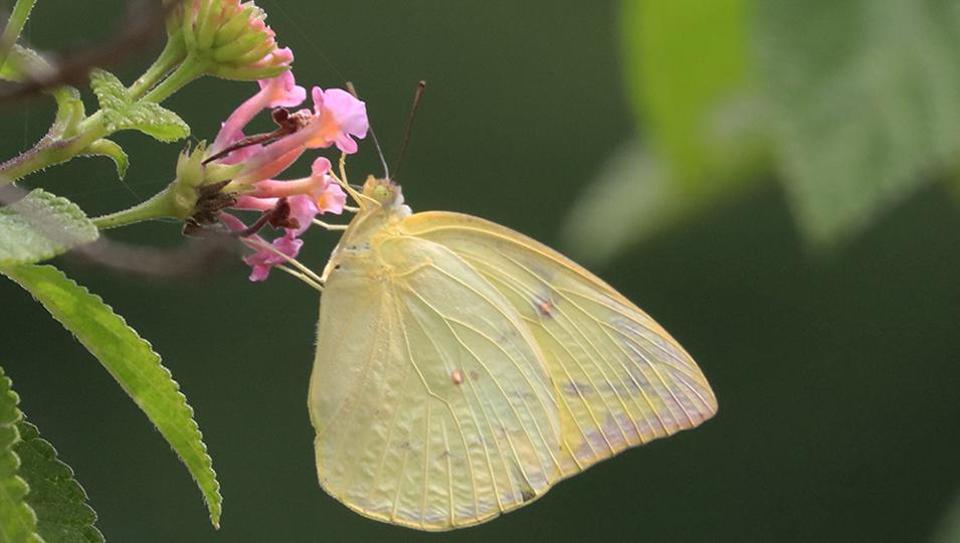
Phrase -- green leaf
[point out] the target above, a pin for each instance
(687, 69)
(132, 362)
(25, 64)
(689, 78)
(55, 495)
(39, 498)
(948, 529)
(18, 523)
(634, 196)
(41, 226)
(113, 151)
(865, 100)
(122, 113)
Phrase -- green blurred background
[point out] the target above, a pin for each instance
(836, 370)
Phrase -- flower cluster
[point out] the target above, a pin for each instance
(335, 119)
(227, 38)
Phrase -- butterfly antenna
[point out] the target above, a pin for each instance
(373, 135)
(408, 129)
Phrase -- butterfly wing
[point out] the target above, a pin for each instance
(432, 405)
(620, 379)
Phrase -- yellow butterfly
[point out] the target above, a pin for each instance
(462, 368)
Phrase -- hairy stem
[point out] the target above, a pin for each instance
(162, 205)
(49, 151)
(186, 72)
(18, 18)
(165, 63)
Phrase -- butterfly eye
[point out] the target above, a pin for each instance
(381, 193)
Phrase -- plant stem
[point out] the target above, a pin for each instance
(49, 151)
(161, 205)
(169, 57)
(186, 72)
(18, 18)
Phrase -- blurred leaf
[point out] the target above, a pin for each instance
(24, 64)
(865, 97)
(689, 81)
(41, 226)
(948, 530)
(121, 113)
(686, 61)
(113, 151)
(18, 523)
(132, 362)
(56, 496)
(633, 193)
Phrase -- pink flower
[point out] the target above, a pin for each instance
(263, 260)
(303, 210)
(342, 116)
(280, 91)
(320, 187)
(337, 118)
(292, 204)
(306, 197)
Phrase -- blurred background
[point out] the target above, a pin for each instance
(775, 182)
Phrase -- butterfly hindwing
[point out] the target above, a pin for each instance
(432, 405)
(619, 378)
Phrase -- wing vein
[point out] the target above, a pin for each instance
(483, 407)
(600, 359)
(426, 465)
(476, 422)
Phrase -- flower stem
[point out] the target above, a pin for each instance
(190, 69)
(161, 205)
(18, 18)
(171, 55)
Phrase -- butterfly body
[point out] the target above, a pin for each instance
(462, 369)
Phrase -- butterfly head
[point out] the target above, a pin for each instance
(384, 191)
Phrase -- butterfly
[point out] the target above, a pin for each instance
(462, 368)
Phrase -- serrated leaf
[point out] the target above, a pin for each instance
(154, 120)
(132, 362)
(113, 151)
(55, 495)
(865, 98)
(41, 226)
(18, 522)
(121, 113)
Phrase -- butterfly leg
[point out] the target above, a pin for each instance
(328, 226)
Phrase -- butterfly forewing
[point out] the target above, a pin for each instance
(619, 378)
(432, 404)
